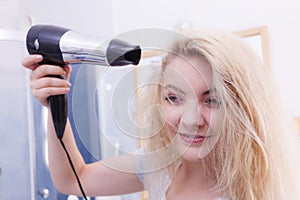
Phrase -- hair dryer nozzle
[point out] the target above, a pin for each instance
(120, 53)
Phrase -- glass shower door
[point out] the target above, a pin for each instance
(16, 121)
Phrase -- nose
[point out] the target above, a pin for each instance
(193, 116)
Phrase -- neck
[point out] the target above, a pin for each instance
(194, 173)
(189, 181)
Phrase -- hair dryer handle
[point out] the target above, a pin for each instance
(59, 110)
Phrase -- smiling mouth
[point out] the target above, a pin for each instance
(193, 139)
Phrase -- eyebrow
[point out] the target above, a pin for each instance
(172, 87)
(209, 91)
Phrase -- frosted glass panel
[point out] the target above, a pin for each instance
(16, 176)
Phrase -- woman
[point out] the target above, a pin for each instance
(216, 130)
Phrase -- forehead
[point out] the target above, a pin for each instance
(189, 71)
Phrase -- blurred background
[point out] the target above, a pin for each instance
(23, 155)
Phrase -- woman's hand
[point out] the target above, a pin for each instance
(43, 86)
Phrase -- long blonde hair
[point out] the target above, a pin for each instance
(257, 154)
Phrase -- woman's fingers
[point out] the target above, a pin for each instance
(46, 70)
(47, 82)
(44, 87)
(68, 70)
(44, 82)
(32, 61)
(43, 93)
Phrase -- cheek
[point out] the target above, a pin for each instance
(213, 118)
(208, 116)
(172, 115)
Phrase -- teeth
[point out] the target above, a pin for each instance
(192, 136)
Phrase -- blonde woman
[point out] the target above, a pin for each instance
(216, 129)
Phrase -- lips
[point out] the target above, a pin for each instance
(192, 139)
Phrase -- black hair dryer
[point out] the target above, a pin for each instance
(61, 46)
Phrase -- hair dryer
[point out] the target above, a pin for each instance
(61, 46)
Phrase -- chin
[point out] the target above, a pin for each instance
(185, 151)
(191, 155)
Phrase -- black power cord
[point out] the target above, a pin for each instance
(73, 168)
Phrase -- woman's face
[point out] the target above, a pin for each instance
(191, 106)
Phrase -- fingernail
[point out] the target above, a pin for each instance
(38, 57)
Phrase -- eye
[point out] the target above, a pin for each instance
(174, 99)
(213, 102)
